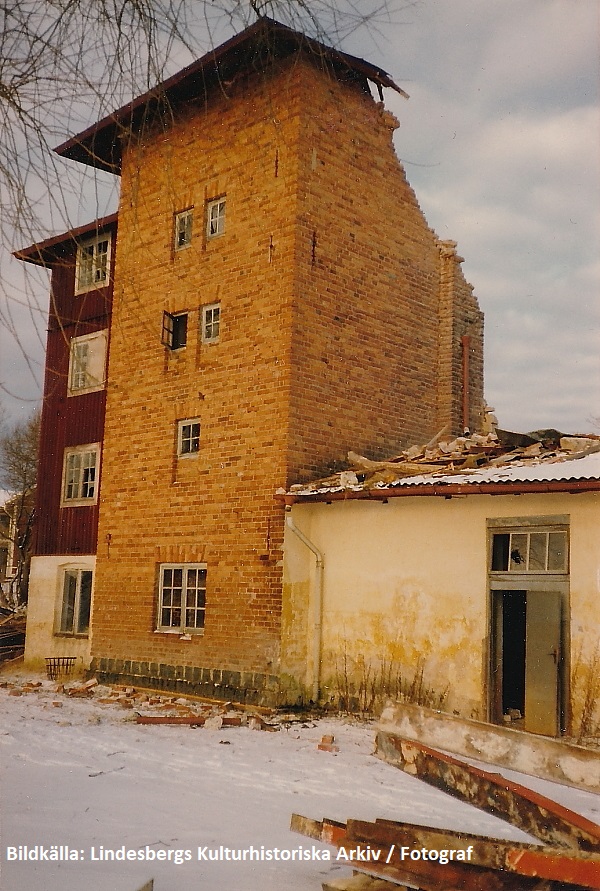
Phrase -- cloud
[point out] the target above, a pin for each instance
(500, 143)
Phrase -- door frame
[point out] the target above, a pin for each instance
(528, 581)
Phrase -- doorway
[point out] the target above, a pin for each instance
(528, 659)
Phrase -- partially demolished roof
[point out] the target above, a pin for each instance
(251, 50)
(544, 461)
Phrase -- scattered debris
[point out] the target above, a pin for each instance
(12, 636)
(327, 744)
(385, 848)
(100, 773)
(407, 854)
(464, 454)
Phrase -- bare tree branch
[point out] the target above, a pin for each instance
(67, 63)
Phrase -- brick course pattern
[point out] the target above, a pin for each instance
(341, 325)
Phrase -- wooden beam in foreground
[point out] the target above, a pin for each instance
(389, 861)
(522, 807)
(534, 861)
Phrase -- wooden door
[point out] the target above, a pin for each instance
(542, 662)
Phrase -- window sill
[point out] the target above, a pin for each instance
(96, 286)
(67, 634)
(176, 632)
(84, 390)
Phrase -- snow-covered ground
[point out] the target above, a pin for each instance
(86, 776)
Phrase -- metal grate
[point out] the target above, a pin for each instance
(58, 667)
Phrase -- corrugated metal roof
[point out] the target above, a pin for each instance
(561, 472)
(585, 468)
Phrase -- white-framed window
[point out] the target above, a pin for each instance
(188, 437)
(183, 229)
(215, 217)
(80, 475)
(87, 363)
(76, 602)
(93, 264)
(174, 330)
(181, 597)
(530, 550)
(211, 322)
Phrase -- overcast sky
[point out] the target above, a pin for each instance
(501, 141)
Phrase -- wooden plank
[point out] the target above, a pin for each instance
(191, 720)
(540, 756)
(522, 807)
(423, 874)
(361, 882)
(579, 868)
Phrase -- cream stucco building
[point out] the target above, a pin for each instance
(480, 590)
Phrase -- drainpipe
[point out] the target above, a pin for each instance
(318, 602)
(466, 379)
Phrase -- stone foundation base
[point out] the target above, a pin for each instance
(213, 683)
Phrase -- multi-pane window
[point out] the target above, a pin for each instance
(215, 217)
(530, 551)
(80, 356)
(174, 330)
(182, 597)
(183, 229)
(76, 602)
(211, 322)
(93, 263)
(80, 474)
(87, 363)
(188, 437)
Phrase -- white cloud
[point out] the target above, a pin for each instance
(500, 142)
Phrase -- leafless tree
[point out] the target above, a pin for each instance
(18, 474)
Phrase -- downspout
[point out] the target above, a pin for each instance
(318, 603)
(466, 381)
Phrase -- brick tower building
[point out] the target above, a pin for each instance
(278, 300)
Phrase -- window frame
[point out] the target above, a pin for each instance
(98, 341)
(211, 308)
(81, 484)
(187, 217)
(220, 204)
(166, 588)
(193, 438)
(170, 335)
(526, 527)
(96, 267)
(69, 616)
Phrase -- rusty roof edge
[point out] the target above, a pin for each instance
(446, 490)
(40, 253)
(212, 58)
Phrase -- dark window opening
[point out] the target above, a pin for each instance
(174, 330)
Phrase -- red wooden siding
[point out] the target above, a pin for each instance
(68, 420)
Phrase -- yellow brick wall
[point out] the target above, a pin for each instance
(329, 282)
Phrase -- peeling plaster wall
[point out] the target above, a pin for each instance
(406, 583)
